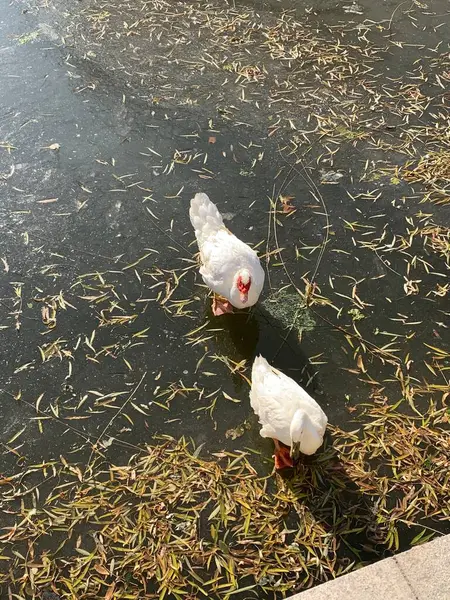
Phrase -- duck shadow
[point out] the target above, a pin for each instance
(243, 335)
(247, 333)
(324, 493)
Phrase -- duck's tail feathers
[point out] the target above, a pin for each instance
(205, 218)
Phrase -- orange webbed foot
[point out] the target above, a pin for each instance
(282, 456)
(221, 306)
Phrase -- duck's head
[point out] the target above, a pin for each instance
(296, 431)
(241, 288)
(305, 438)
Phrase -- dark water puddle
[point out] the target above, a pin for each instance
(103, 222)
(83, 209)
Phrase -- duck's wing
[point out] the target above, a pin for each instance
(274, 419)
(275, 398)
(271, 401)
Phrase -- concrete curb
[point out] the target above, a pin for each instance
(422, 573)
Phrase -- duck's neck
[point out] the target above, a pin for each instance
(304, 433)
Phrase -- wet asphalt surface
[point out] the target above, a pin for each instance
(75, 220)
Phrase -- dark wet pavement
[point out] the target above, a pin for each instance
(96, 227)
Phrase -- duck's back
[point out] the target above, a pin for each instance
(222, 253)
(205, 218)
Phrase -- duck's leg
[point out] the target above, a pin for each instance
(221, 306)
(282, 456)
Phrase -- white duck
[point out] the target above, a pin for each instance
(286, 412)
(230, 268)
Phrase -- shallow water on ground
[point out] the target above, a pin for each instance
(107, 334)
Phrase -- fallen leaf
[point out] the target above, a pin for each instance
(101, 569)
(286, 202)
(110, 592)
(212, 140)
(361, 364)
(54, 146)
(5, 264)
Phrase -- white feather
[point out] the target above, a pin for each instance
(223, 255)
(276, 398)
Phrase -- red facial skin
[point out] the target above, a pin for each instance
(243, 289)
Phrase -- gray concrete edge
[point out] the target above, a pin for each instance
(421, 573)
